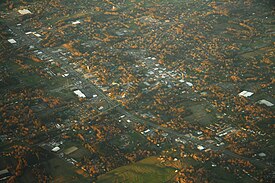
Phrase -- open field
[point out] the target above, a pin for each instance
(147, 170)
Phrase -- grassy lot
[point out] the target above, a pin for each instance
(147, 170)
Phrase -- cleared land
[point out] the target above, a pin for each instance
(147, 170)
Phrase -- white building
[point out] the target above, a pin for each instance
(55, 149)
(76, 22)
(200, 147)
(80, 94)
(12, 41)
(245, 93)
(265, 102)
(24, 12)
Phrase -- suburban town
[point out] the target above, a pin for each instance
(137, 91)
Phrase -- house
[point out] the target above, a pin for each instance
(55, 149)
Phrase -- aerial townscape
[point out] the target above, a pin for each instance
(137, 91)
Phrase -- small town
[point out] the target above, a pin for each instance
(137, 91)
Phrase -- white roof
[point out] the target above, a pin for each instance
(200, 147)
(199, 132)
(146, 131)
(189, 84)
(65, 75)
(12, 41)
(76, 22)
(24, 11)
(37, 35)
(245, 93)
(79, 94)
(262, 154)
(265, 102)
(55, 149)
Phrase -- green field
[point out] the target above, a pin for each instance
(147, 170)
